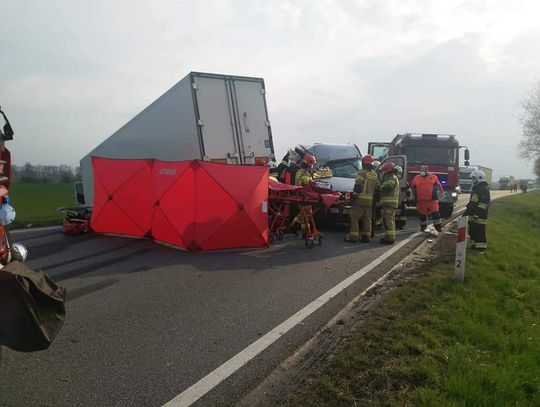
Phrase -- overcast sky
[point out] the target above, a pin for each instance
(73, 72)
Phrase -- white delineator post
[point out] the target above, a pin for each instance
(461, 249)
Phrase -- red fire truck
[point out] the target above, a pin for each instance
(440, 152)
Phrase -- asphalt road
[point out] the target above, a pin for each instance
(145, 321)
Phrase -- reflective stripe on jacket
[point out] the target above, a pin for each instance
(367, 182)
(390, 191)
(427, 188)
(303, 177)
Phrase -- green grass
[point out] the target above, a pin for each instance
(37, 204)
(433, 342)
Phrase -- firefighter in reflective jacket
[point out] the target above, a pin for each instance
(389, 201)
(367, 182)
(477, 210)
(426, 189)
(303, 178)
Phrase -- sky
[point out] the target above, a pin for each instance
(73, 72)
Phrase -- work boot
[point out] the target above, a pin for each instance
(350, 239)
(365, 239)
(386, 241)
(438, 228)
(423, 227)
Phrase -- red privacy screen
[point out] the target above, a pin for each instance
(195, 205)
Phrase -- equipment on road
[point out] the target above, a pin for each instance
(439, 151)
(282, 196)
(76, 219)
(209, 117)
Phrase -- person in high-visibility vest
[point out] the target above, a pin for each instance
(477, 210)
(426, 189)
(367, 182)
(389, 201)
(303, 178)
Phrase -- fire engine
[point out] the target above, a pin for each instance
(440, 152)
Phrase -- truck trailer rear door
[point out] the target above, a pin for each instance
(215, 119)
(252, 118)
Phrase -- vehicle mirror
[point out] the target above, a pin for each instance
(467, 155)
(8, 132)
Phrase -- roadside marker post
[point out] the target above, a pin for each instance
(461, 249)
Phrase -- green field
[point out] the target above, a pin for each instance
(36, 204)
(433, 342)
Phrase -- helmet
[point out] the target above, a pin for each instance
(7, 214)
(309, 159)
(376, 164)
(388, 167)
(367, 159)
(399, 170)
(19, 252)
(478, 176)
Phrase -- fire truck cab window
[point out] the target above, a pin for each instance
(431, 155)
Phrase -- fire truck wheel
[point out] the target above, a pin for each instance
(310, 243)
(446, 210)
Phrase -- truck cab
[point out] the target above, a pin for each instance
(440, 152)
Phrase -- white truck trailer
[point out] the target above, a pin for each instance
(212, 117)
(465, 181)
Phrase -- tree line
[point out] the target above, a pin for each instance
(45, 173)
(530, 142)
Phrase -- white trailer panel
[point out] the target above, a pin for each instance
(212, 117)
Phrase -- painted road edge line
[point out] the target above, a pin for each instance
(211, 380)
(38, 229)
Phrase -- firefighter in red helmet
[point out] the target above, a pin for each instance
(367, 182)
(303, 178)
(389, 201)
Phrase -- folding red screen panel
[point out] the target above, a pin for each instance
(195, 205)
(122, 199)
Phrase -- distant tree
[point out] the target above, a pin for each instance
(529, 147)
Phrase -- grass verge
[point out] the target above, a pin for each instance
(37, 204)
(433, 342)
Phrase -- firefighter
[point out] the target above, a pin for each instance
(377, 210)
(367, 182)
(426, 189)
(401, 214)
(477, 210)
(389, 201)
(303, 178)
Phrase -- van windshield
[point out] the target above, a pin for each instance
(347, 168)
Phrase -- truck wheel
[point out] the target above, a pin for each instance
(446, 210)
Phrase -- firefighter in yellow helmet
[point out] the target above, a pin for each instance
(367, 182)
(389, 201)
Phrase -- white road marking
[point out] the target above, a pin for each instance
(211, 380)
(38, 229)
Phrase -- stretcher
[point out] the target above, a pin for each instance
(283, 197)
